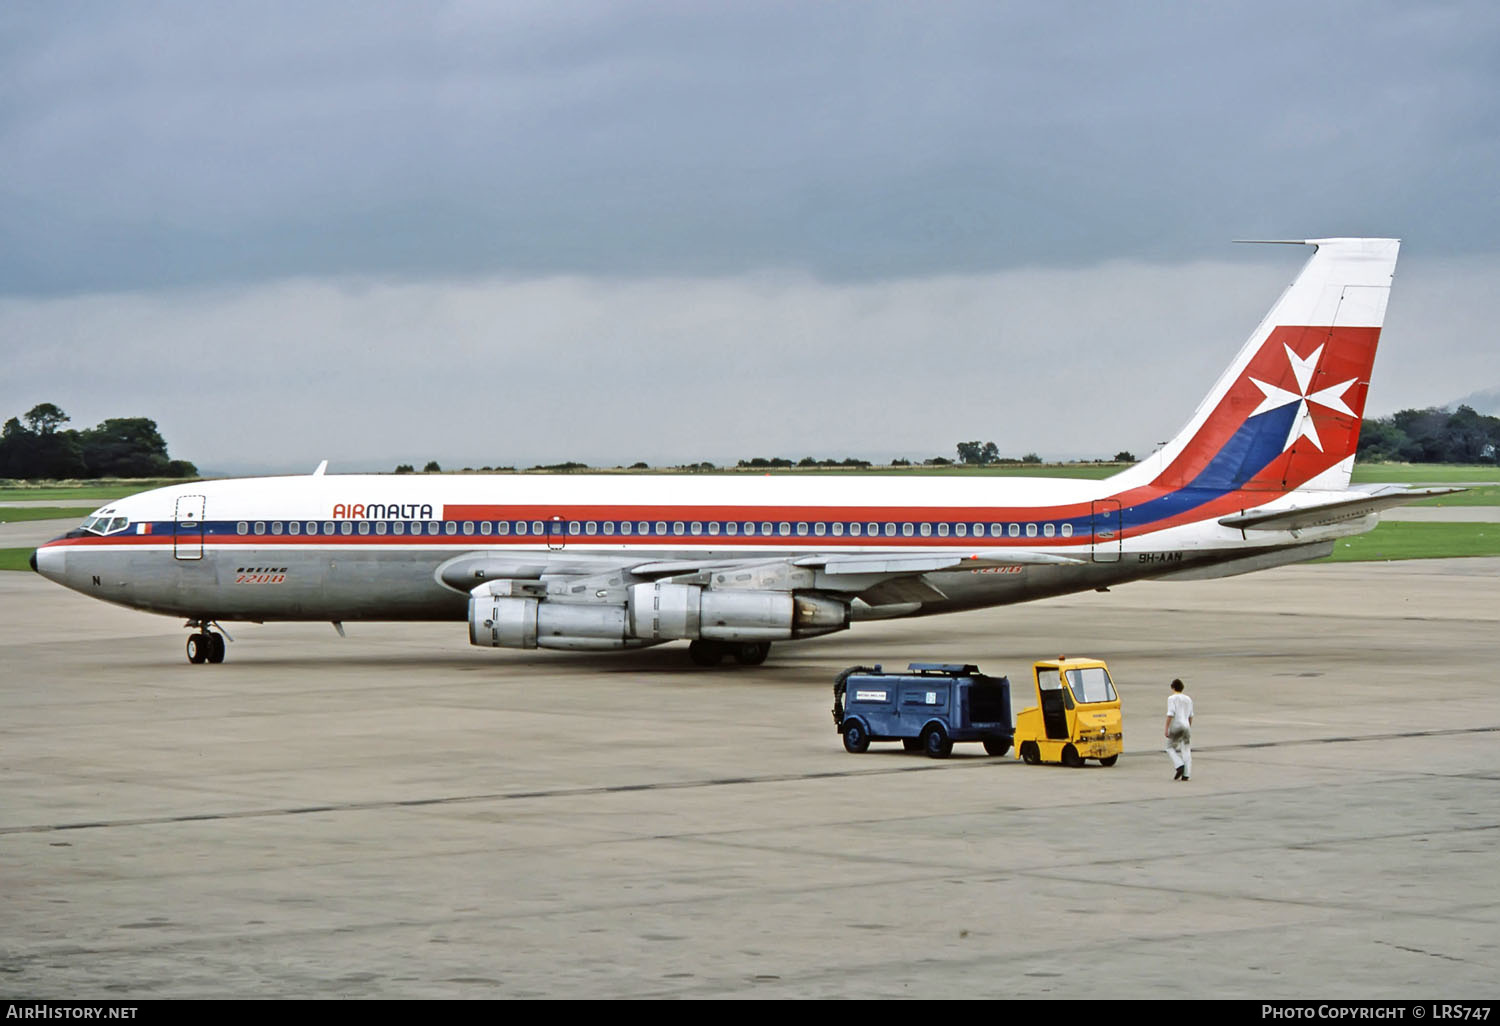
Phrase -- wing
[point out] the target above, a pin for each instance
(873, 577)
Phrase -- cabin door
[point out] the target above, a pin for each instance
(187, 527)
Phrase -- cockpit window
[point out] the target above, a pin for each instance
(105, 525)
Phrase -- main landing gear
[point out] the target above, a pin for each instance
(711, 653)
(205, 646)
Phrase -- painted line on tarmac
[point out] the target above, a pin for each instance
(680, 785)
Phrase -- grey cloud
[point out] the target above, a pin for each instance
(151, 145)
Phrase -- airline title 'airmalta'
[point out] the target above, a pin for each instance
(1259, 477)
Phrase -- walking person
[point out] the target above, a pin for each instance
(1179, 732)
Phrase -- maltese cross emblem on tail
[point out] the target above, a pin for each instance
(1331, 398)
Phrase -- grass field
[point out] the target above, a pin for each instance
(1425, 473)
(1399, 540)
(15, 559)
(16, 514)
(102, 491)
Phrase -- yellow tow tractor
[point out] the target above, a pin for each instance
(1077, 715)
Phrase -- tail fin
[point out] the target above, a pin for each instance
(1286, 414)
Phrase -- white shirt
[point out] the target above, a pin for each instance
(1180, 709)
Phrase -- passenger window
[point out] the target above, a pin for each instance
(1031, 530)
(485, 527)
(1014, 530)
(450, 527)
(926, 530)
(468, 527)
(432, 527)
(801, 530)
(765, 528)
(996, 530)
(890, 530)
(854, 530)
(592, 527)
(345, 527)
(1067, 530)
(661, 527)
(713, 527)
(398, 527)
(242, 527)
(731, 528)
(380, 527)
(327, 527)
(502, 527)
(609, 527)
(574, 527)
(962, 530)
(942, 530)
(906, 530)
(312, 527)
(537, 528)
(1049, 530)
(295, 527)
(364, 527)
(276, 527)
(697, 527)
(260, 527)
(784, 528)
(838, 530)
(625, 526)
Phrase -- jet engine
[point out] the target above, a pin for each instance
(522, 614)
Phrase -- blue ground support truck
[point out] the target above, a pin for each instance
(926, 708)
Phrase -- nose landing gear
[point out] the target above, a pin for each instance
(205, 646)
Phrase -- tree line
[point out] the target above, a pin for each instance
(1433, 435)
(37, 446)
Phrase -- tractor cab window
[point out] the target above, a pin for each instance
(1091, 684)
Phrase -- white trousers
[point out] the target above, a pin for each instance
(1180, 749)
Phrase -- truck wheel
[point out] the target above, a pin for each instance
(935, 742)
(997, 745)
(1070, 757)
(1029, 753)
(855, 738)
(1109, 760)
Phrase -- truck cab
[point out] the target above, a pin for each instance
(1077, 715)
(927, 708)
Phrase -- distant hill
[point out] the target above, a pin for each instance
(1487, 402)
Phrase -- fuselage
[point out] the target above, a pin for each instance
(373, 547)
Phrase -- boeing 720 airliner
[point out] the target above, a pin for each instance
(1259, 477)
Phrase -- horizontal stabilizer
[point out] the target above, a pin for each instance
(1325, 513)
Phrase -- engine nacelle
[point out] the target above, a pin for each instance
(506, 621)
(666, 612)
(516, 614)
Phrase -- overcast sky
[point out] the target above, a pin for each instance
(509, 233)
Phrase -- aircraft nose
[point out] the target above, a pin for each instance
(49, 561)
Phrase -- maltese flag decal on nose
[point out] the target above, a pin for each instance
(1302, 423)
